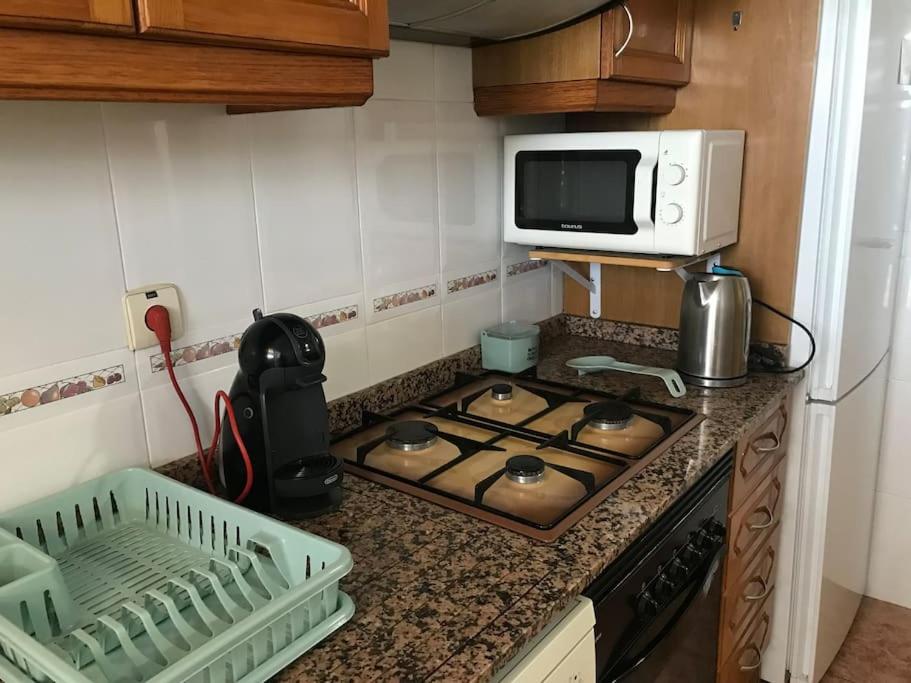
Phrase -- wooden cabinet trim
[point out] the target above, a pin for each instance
(350, 27)
(96, 16)
(57, 65)
(590, 95)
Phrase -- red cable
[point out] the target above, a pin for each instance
(158, 320)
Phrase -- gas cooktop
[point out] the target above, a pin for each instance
(526, 454)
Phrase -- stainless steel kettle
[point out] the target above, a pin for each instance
(715, 330)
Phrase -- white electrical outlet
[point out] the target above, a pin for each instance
(135, 304)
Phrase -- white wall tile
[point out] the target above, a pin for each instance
(167, 426)
(895, 454)
(452, 71)
(61, 281)
(49, 456)
(346, 368)
(526, 297)
(890, 555)
(400, 344)
(406, 74)
(306, 205)
(397, 188)
(468, 152)
(901, 333)
(464, 318)
(52, 446)
(184, 198)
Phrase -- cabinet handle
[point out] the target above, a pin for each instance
(758, 653)
(767, 511)
(776, 443)
(761, 595)
(629, 36)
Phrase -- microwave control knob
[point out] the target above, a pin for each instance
(675, 174)
(672, 213)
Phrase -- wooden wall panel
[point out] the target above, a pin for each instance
(758, 79)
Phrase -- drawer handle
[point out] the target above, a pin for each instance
(765, 510)
(758, 654)
(768, 436)
(761, 595)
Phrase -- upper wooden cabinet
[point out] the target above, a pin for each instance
(651, 44)
(331, 26)
(89, 15)
(250, 54)
(604, 63)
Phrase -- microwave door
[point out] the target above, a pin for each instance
(583, 198)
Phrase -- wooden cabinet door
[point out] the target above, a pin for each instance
(654, 48)
(356, 27)
(89, 15)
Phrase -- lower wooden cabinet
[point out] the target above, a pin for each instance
(754, 521)
(745, 662)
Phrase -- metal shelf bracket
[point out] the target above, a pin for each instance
(592, 283)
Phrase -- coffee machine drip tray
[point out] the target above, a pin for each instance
(311, 485)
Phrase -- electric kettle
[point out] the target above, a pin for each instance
(715, 329)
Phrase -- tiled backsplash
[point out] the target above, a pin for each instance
(379, 224)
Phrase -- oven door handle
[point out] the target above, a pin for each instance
(630, 663)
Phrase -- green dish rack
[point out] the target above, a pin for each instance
(136, 577)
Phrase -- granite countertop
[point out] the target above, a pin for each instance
(442, 596)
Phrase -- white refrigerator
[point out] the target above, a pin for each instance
(855, 209)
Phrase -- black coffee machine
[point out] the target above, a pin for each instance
(281, 413)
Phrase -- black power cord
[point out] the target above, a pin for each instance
(787, 371)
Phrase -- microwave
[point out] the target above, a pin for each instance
(656, 192)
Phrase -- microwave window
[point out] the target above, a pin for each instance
(589, 191)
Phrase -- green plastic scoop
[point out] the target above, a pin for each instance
(589, 364)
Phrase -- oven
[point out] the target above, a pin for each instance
(670, 192)
(657, 607)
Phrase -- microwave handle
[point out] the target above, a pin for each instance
(645, 189)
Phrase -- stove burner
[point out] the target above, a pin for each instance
(525, 469)
(501, 392)
(609, 415)
(412, 435)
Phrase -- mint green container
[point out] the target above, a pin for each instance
(136, 577)
(510, 347)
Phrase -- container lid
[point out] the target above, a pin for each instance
(513, 330)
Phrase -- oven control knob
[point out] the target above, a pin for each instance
(676, 570)
(647, 604)
(675, 174)
(672, 213)
(692, 554)
(664, 586)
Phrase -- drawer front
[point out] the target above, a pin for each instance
(745, 663)
(758, 453)
(747, 594)
(755, 522)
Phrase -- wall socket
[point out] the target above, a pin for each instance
(135, 304)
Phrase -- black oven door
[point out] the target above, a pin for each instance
(590, 191)
(680, 646)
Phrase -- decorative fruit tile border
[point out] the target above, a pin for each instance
(524, 267)
(33, 397)
(190, 354)
(222, 345)
(390, 301)
(334, 317)
(462, 283)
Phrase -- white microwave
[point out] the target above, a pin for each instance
(657, 192)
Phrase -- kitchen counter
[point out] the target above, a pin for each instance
(443, 596)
